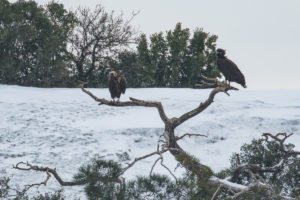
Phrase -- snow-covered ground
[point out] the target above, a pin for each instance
(64, 128)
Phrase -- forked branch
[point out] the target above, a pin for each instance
(48, 171)
(158, 152)
(220, 87)
(171, 124)
(170, 144)
(277, 137)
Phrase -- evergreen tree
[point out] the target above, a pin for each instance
(32, 40)
(49, 46)
(158, 53)
(176, 60)
(202, 56)
(144, 61)
(178, 48)
(128, 65)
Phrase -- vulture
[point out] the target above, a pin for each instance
(116, 85)
(229, 69)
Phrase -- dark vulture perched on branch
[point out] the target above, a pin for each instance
(229, 69)
(116, 85)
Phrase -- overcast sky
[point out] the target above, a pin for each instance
(260, 36)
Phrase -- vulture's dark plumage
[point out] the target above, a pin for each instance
(229, 69)
(116, 84)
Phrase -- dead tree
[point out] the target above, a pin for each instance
(97, 36)
(190, 163)
(170, 140)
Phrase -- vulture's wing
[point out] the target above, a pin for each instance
(122, 82)
(231, 71)
(112, 86)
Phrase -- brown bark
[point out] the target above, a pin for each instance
(47, 170)
(186, 160)
(203, 172)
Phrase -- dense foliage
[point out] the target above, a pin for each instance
(32, 43)
(285, 178)
(284, 181)
(48, 46)
(172, 60)
(102, 180)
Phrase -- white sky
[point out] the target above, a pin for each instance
(260, 36)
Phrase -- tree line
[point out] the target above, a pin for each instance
(48, 46)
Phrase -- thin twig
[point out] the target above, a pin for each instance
(161, 162)
(216, 192)
(189, 134)
(154, 165)
(141, 158)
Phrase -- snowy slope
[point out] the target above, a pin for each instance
(64, 128)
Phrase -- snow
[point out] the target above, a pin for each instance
(233, 186)
(64, 128)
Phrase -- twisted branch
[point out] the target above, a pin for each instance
(276, 138)
(170, 143)
(170, 125)
(47, 170)
(133, 102)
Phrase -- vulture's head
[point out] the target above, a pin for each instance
(112, 74)
(220, 52)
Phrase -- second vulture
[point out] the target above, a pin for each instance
(229, 69)
(116, 85)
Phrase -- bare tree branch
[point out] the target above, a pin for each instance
(190, 163)
(216, 192)
(27, 187)
(189, 134)
(133, 102)
(221, 87)
(171, 145)
(97, 34)
(205, 85)
(276, 138)
(154, 165)
(47, 170)
(141, 158)
(161, 162)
